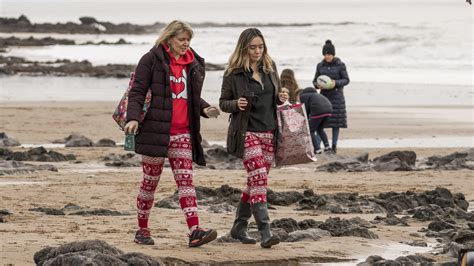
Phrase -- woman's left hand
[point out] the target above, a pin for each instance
(211, 112)
(283, 97)
(333, 83)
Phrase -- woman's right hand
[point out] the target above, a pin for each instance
(242, 103)
(131, 127)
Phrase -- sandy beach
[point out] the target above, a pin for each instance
(91, 184)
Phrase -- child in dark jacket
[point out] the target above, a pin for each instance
(318, 109)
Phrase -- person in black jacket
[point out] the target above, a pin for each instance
(250, 92)
(334, 68)
(318, 109)
(171, 128)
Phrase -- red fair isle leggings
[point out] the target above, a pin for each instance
(181, 162)
(259, 152)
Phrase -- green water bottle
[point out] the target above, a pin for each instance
(129, 144)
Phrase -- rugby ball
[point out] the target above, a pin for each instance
(324, 82)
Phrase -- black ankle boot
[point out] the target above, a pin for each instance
(239, 229)
(260, 213)
(334, 148)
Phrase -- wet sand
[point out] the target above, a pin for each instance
(94, 185)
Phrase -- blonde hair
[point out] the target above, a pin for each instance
(174, 28)
(240, 57)
(287, 79)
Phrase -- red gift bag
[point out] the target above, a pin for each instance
(294, 144)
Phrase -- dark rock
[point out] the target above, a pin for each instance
(312, 234)
(123, 160)
(283, 198)
(333, 167)
(105, 143)
(363, 158)
(5, 216)
(471, 226)
(99, 212)
(47, 211)
(453, 161)
(81, 252)
(88, 20)
(414, 260)
(418, 243)
(406, 157)
(222, 208)
(141, 259)
(218, 158)
(464, 236)
(40, 154)
(15, 65)
(396, 202)
(287, 224)
(4, 152)
(452, 249)
(70, 207)
(308, 223)
(371, 260)
(340, 203)
(439, 226)
(290, 225)
(390, 219)
(206, 196)
(308, 193)
(76, 140)
(353, 164)
(395, 161)
(14, 167)
(14, 41)
(7, 141)
(343, 227)
(434, 212)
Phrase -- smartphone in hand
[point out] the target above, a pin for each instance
(129, 144)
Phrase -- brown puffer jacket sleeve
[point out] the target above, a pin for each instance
(227, 102)
(137, 94)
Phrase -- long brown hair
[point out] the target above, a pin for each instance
(240, 57)
(288, 81)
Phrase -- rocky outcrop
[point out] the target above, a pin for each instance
(400, 161)
(218, 158)
(122, 160)
(410, 260)
(39, 154)
(14, 167)
(5, 216)
(453, 161)
(90, 252)
(73, 209)
(31, 41)
(7, 141)
(393, 161)
(17, 65)
(105, 143)
(90, 25)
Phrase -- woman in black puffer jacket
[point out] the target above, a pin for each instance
(334, 68)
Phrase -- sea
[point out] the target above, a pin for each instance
(393, 50)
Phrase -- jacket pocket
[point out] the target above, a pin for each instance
(231, 139)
